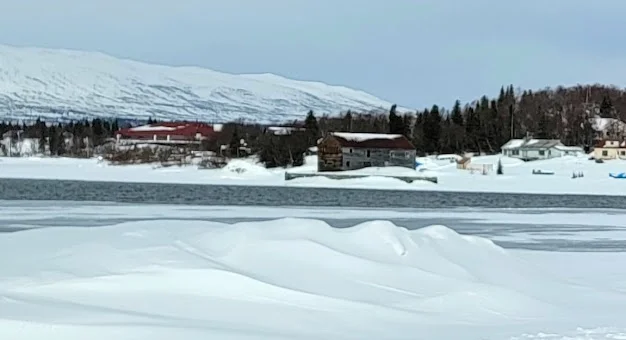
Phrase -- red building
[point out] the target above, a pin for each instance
(168, 133)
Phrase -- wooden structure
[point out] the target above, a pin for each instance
(341, 151)
(463, 163)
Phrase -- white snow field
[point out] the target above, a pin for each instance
(517, 177)
(65, 84)
(163, 277)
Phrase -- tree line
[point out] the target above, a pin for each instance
(61, 139)
(483, 125)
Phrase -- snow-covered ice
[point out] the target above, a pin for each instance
(168, 271)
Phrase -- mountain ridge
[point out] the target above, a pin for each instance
(64, 84)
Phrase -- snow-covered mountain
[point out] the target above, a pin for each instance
(62, 84)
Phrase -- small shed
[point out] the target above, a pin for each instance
(463, 163)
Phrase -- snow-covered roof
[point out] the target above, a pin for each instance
(513, 144)
(373, 140)
(602, 124)
(189, 129)
(361, 137)
(569, 148)
(531, 144)
(153, 128)
(283, 130)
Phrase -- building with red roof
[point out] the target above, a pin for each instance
(168, 133)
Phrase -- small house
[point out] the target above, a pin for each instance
(341, 151)
(529, 149)
(609, 149)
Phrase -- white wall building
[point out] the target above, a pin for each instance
(529, 149)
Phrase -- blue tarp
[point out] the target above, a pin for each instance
(620, 175)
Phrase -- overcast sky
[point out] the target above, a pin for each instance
(412, 52)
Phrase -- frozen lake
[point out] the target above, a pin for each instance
(271, 196)
(558, 229)
(106, 270)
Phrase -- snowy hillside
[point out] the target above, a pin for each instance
(62, 84)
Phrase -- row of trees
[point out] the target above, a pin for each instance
(479, 126)
(70, 139)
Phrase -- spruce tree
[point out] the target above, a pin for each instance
(347, 122)
(396, 125)
(456, 115)
(606, 107)
(312, 129)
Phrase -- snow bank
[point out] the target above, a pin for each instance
(288, 278)
(244, 167)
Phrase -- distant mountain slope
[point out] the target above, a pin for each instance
(63, 84)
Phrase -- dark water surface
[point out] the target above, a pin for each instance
(28, 189)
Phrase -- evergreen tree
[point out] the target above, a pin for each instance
(432, 129)
(418, 132)
(53, 141)
(456, 115)
(42, 138)
(234, 143)
(312, 129)
(396, 125)
(61, 143)
(407, 121)
(499, 171)
(606, 107)
(347, 122)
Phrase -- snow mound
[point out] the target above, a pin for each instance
(578, 334)
(287, 278)
(244, 168)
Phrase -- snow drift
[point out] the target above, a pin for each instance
(282, 279)
(63, 84)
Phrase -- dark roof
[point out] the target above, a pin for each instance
(372, 140)
(603, 144)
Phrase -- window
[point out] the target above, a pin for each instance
(542, 152)
(622, 153)
(366, 164)
(368, 153)
(605, 153)
(348, 163)
(350, 150)
(515, 152)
